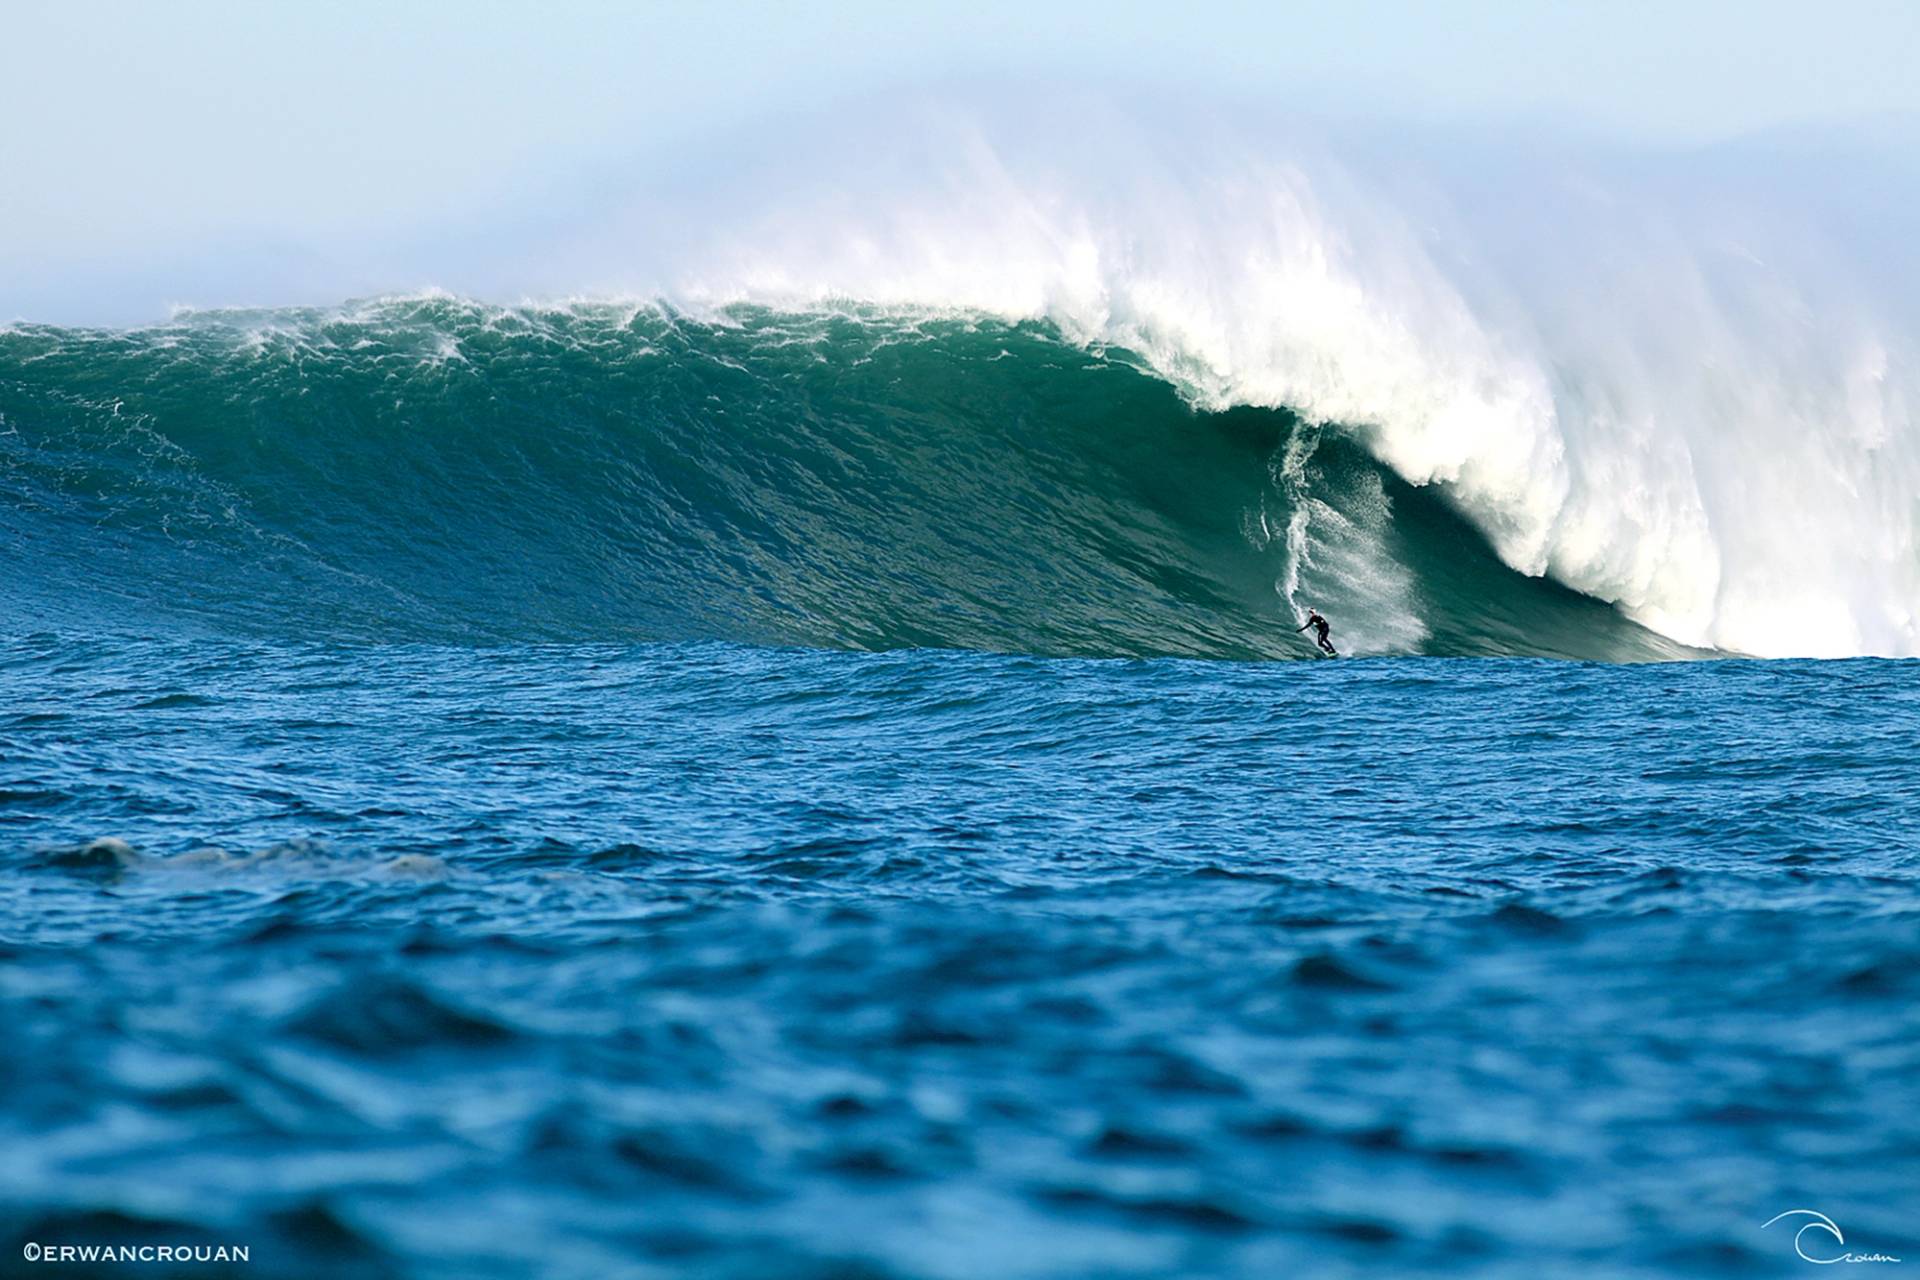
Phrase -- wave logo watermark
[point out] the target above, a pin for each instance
(34, 1251)
(1821, 1223)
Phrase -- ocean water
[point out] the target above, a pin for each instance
(710, 959)
(591, 791)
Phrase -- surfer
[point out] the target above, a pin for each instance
(1319, 624)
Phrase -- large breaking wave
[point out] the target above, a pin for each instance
(1072, 379)
(435, 469)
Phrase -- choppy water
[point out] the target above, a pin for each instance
(600, 960)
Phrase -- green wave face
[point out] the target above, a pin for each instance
(435, 470)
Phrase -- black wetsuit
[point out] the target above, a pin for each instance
(1319, 624)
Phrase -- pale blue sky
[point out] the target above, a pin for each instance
(141, 134)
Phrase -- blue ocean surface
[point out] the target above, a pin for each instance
(589, 792)
(724, 960)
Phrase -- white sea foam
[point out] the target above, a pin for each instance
(1684, 384)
